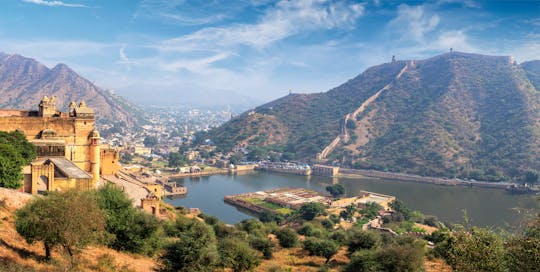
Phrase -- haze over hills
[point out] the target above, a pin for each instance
(456, 114)
(24, 81)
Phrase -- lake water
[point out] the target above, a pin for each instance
(485, 207)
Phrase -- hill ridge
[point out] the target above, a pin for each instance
(455, 114)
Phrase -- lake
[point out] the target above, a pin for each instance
(484, 207)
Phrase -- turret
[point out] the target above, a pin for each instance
(47, 107)
(72, 107)
(94, 155)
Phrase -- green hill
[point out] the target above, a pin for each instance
(455, 114)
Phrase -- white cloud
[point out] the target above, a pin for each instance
(52, 3)
(465, 3)
(413, 23)
(527, 51)
(456, 39)
(288, 18)
(201, 66)
(123, 57)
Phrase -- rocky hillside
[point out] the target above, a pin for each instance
(455, 114)
(24, 81)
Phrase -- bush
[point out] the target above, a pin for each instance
(360, 239)
(475, 250)
(309, 229)
(287, 237)
(318, 247)
(263, 245)
(363, 261)
(131, 230)
(236, 254)
(311, 210)
(195, 250)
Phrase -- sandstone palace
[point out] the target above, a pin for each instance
(68, 148)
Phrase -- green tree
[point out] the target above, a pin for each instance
(16, 139)
(371, 210)
(532, 177)
(150, 141)
(15, 151)
(523, 251)
(321, 247)
(70, 219)
(348, 212)
(287, 237)
(263, 245)
(130, 229)
(195, 250)
(311, 210)
(267, 216)
(478, 249)
(403, 257)
(363, 261)
(237, 254)
(11, 164)
(335, 190)
(177, 159)
(398, 206)
(361, 239)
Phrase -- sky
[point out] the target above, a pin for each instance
(245, 52)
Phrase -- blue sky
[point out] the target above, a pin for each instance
(214, 51)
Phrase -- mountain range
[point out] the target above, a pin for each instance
(24, 81)
(455, 115)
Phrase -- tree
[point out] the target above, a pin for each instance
(311, 210)
(131, 230)
(335, 190)
(478, 249)
(523, 251)
(397, 257)
(371, 210)
(150, 141)
(177, 159)
(361, 239)
(237, 254)
(363, 261)
(348, 213)
(16, 139)
(195, 250)
(15, 151)
(532, 177)
(267, 216)
(287, 237)
(70, 219)
(324, 248)
(10, 167)
(263, 245)
(399, 206)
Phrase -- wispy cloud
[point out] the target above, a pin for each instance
(414, 22)
(465, 3)
(54, 3)
(288, 18)
(201, 66)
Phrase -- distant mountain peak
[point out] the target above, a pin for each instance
(24, 81)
